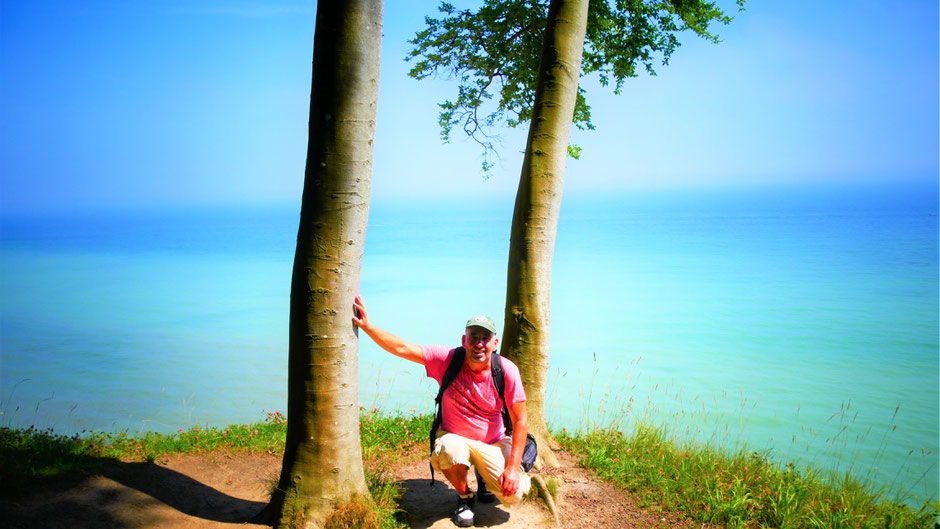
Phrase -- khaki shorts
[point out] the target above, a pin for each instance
(489, 459)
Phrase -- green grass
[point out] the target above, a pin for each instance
(393, 436)
(736, 489)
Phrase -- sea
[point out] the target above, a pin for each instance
(797, 322)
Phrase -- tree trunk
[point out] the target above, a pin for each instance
(323, 459)
(538, 200)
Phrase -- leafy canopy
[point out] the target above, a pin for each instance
(493, 52)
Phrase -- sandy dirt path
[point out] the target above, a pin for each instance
(223, 490)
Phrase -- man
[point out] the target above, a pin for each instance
(472, 431)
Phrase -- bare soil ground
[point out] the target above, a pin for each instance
(224, 489)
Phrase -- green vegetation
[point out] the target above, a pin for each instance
(735, 489)
(718, 487)
(393, 437)
(493, 53)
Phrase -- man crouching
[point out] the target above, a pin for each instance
(472, 430)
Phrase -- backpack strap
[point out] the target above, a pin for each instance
(450, 374)
(499, 380)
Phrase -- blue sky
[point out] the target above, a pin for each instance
(145, 103)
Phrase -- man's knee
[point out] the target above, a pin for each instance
(450, 450)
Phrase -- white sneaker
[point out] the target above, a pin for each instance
(463, 516)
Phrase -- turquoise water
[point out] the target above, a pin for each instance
(802, 321)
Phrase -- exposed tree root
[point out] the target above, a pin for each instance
(539, 483)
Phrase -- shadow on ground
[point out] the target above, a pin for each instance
(121, 495)
(427, 505)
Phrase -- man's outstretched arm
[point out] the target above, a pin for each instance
(384, 339)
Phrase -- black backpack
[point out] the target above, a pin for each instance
(496, 368)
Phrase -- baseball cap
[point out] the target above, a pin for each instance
(482, 321)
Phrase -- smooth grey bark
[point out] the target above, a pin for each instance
(322, 464)
(538, 201)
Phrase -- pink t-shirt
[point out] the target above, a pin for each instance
(471, 405)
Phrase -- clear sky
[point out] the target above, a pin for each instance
(141, 103)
